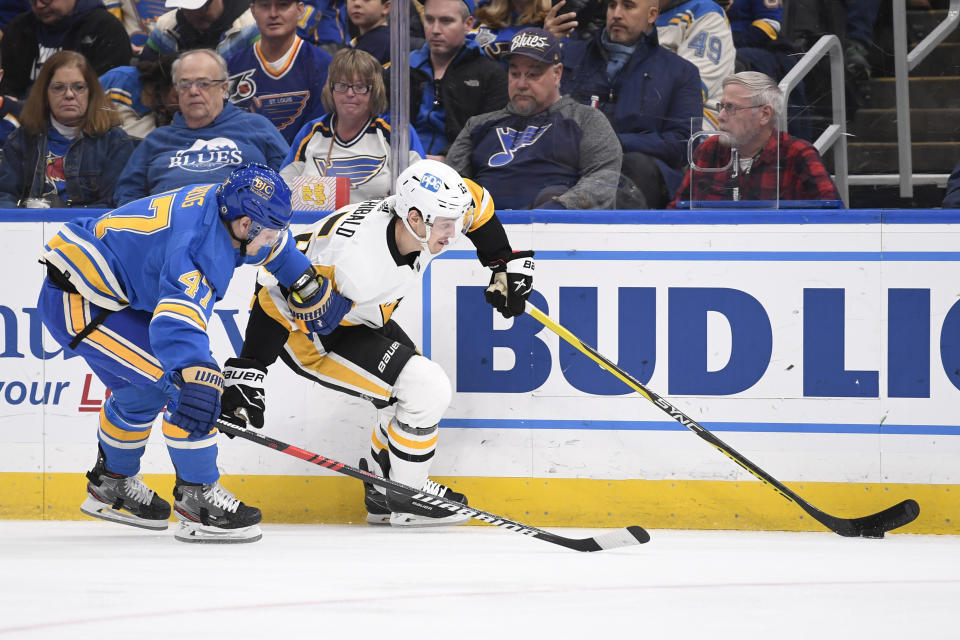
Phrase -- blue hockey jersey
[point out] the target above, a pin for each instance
(287, 92)
(169, 255)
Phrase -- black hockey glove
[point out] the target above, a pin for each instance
(509, 289)
(244, 398)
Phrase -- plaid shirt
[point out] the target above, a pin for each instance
(802, 174)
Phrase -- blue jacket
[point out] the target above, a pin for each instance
(175, 155)
(952, 198)
(91, 166)
(650, 103)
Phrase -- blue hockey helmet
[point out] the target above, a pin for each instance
(256, 191)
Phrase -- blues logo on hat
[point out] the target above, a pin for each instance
(537, 44)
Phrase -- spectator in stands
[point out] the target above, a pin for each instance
(952, 198)
(198, 24)
(450, 78)
(138, 18)
(650, 95)
(9, 114)
(698, 31)
(769, 164)
(761, 47)
(542, 151)
(68, 151)
(369, 17)
(143, 96)
(500, 20)
(325, 24)
(208, 139)
(84, 26)
(351, 140)
(280, 76)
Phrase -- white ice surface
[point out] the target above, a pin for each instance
(75, 580)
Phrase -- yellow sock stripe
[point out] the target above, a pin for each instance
(375, 439)
(429, 443)
(178, 438)
(126, 435)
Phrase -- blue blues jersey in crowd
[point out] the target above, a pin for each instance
(755, 22)
(287, 92)
(496, 42)
(324, 21)
(9, 117)
(170, 255)
(123, 88)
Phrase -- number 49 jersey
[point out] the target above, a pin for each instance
(698, 31)
(169, 255)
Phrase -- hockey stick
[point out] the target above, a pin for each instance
(872, 526)
(620, 538)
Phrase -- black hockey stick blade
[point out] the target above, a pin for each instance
(626, 537)
(872, 526)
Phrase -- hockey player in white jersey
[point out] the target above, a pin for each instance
(370, 255)
(698, 31)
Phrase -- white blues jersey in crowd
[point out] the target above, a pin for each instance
(286, 92)
(698, 31)
(318, 152)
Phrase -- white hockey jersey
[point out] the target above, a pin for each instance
(698, 31)
(356, 248)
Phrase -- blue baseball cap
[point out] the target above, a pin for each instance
(535, 43)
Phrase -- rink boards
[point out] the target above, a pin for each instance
(825, 347)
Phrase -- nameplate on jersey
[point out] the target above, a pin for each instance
(319, 194)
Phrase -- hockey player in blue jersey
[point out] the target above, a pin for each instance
(281, 75)
(132, 293)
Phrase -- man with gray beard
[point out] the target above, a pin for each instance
(542, 151)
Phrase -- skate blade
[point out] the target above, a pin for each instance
(378, 518)
(410, 520)
(93, 507)
(196, 532)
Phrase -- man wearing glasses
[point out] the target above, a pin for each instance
(751, 159)
(281, 75)
(208, 138)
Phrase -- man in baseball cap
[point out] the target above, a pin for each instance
(542, 151)
(197, 24)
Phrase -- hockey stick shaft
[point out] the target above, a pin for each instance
(619, 538)
(867, 526)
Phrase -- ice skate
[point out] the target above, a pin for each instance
(210, 513)
(375, 500)
(123, 499)
(419, 512)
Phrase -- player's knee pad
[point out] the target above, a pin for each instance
(422, 391)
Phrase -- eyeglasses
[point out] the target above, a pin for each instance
(59, 88)
(732, 109)
(203, 84)
(359, 89)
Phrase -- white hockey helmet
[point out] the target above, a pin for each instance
(436, 191)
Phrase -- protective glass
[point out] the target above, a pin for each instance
(722, 178)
